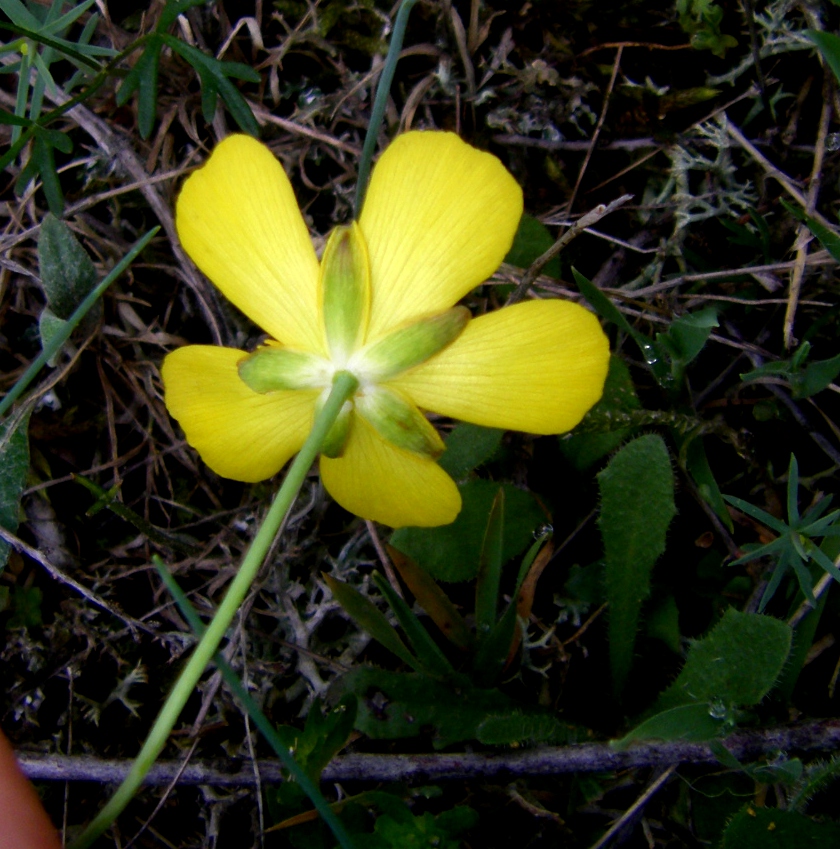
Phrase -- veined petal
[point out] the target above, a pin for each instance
(238, 433)
(439, 216)
(536, 367)
(238, 219)
(378, 481)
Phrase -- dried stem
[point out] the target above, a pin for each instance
(576, 229)
(455, 766)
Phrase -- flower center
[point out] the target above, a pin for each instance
(344, 300)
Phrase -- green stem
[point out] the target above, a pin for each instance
(259, 718)
(380, 102)
(344, 385)
(70, 325)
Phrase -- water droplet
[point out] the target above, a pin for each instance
(543, 531)
(718, 709)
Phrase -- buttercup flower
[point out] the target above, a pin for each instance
(438, 218)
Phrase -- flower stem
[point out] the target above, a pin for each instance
(237, 687)
(344, 385)
(380, 102)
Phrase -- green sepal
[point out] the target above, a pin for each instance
(345, 290)
(270, 369)
(396, 419)
(410, 345)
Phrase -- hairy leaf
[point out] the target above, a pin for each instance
(14, 464)
(734, 665)
(637, 505)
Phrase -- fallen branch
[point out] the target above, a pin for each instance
(587, 757)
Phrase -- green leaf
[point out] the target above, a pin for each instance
(818, 776)
(173, 9)
(693, 455)
(396, 705)
(637, 505)
(734, 665)
(433, 600)
(369, 618)
(804, 633)
(531, 241)
(142, 78)
(664, 624)
(431, 658)
(41, 164)
(469, 446)
(494, 648)
(685, 338)
(14, 120)
(50, 328)
(584, 449)
(829, 46)
(422, 830)
(324, 735)
(691, 722)
(828, 238)
(67, 272)
(213, 75)
(531, 728)
(769, 828)
(451, 552)
(14, 465)
(816, 377)
(26, 607)
(778, 771)
(490, 568)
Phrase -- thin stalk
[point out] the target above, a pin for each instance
(22, 89)
(381, 100)
(260, 719)
(70, 325)
(344, 384)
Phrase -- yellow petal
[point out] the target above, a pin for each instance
(438, 218)
(238, 433)
(238, 219)
(378, 481)
(536, 367)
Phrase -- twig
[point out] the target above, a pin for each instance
(774, 172)
(390, 574)
(634, 809)
(612, 44)
(585, 627)
(58, 575)
(587, 220)
(594, 140)
(512, 139)
(294, 128)
(803, 235)
(587, 757)
(819, 258)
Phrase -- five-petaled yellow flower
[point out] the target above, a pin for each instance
(438, 218)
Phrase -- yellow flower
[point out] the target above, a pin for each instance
(438, 218)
